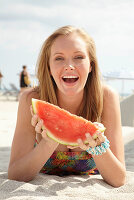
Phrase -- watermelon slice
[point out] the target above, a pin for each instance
(62, 126)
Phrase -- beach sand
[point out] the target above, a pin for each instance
(53, 187)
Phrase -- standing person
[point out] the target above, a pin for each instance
(1, 76)
(24, 79)
(69, 77)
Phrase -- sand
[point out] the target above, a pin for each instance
(53, 187)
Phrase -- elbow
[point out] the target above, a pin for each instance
(120, 180)
(118, 183)
(12, 175)
(18, 176)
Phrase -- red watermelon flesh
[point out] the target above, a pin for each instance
(62, 126)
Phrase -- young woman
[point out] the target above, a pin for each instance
(69, 77)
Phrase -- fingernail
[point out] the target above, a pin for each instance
(87, 134)
(79, 140)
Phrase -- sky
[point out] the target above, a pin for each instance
(25, 24)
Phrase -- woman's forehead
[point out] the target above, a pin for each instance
(71, 41)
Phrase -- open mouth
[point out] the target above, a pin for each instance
(70, 79)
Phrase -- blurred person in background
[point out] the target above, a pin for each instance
(24, 79)
(1, 76)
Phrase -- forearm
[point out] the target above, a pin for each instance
(110, 168)
(26, 168)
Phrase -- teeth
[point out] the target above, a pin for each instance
(70, 76)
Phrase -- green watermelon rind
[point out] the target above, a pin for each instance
(33, 105)
(50, 135)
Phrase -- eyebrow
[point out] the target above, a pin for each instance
(57, 53)
(63, 53)
(78, 52)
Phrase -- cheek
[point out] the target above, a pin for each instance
(56, 70)
(86, 69)
(52, 69)
(87, 66)
(54, 73)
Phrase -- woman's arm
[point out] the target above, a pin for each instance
(26, 161)
(111, 164)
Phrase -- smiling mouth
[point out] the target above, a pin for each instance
(70, 79)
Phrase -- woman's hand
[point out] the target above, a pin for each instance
(39, 126)
(91, 142)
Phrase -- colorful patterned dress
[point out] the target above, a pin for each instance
(70, 163)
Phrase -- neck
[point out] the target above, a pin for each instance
(70, 103)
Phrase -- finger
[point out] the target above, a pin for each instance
(82, 145)
(38, 127)
(91, 141)
(97, 141)
(100, 125)
(34, 120)
(101, 138)
(44, 133)
(72, 147)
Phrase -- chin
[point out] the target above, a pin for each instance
(72, 93)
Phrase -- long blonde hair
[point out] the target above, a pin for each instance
(92, 104)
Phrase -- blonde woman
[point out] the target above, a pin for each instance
(69, 77)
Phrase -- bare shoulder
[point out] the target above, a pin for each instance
(111, 107)
(23, 125)
(110, 93)
(24, 113)
(28, 95)
(111, 119)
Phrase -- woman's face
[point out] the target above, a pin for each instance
(69, 64)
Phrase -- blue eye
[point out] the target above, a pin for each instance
(59, 58)
(79, 57)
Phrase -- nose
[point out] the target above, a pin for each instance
(69, 67)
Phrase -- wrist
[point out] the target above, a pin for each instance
(50, 143)
(100, 149)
